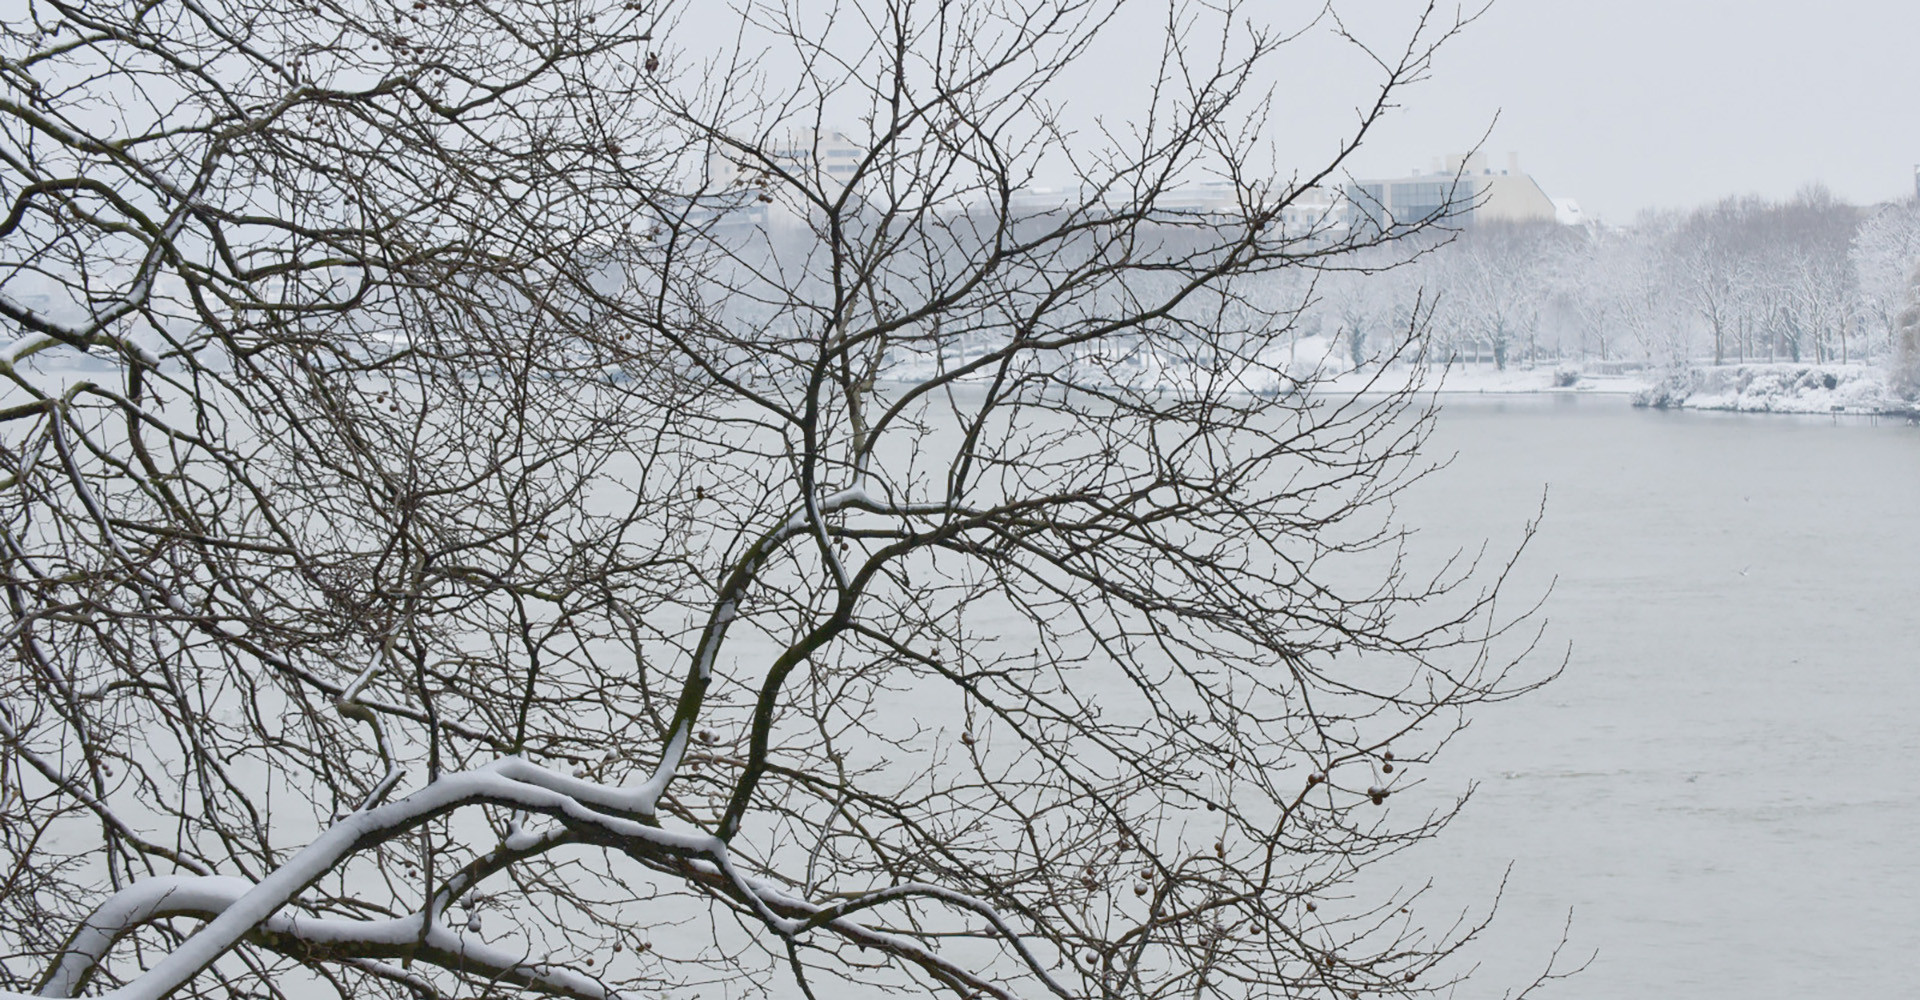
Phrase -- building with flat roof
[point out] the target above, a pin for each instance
(739, 192)
(1313, 210)
(830, 157)
(1459, 191)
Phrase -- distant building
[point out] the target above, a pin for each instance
(1317, 210)
(1200, 198)
(830, 157)
(1314, 210)
(1314, 213)
(1458, 191)
(1025, 203)
(741, 195)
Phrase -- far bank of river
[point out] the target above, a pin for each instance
(1860, 390)
(1774, 387)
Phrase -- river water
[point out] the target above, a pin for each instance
(1724, 787)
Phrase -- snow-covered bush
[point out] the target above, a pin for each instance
(1671, 390)
(1775, 388)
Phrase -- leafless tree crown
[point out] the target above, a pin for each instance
(486, 512)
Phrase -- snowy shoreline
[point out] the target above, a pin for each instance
(1768, 387)
(1780, 387)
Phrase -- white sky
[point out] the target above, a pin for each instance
(1619, 104)
(1628, 104)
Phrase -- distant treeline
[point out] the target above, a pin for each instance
(1809, 279)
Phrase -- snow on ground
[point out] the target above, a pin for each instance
(1487, 379)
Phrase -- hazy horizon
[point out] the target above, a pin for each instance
(1622, 106)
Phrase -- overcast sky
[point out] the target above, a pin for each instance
(1621, 105)
(1628, 104)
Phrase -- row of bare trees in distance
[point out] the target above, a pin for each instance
(1810, 279)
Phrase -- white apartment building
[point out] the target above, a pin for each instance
(1460, 190)
(1317, 210)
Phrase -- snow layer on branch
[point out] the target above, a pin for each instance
(209, 896)
(242, 906)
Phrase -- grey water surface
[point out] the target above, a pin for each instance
(1722, 786)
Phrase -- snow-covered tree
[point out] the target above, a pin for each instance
(1497, 277)
(1885, 250)
(1709, 278)
(1906, 341)
(1634, 278)
(1778, 268)
(1815, 230)
(492, 507)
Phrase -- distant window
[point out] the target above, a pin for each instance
(1423, 193)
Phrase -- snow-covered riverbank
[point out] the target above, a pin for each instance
(1747, 388)
(1779, 388)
